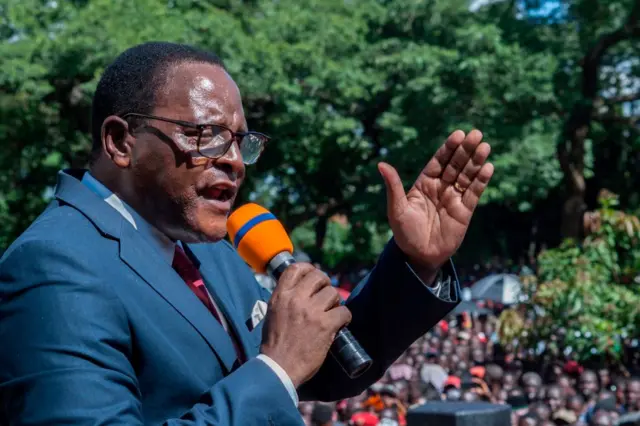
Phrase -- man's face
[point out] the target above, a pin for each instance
(576, 405)
(443, 361)
(555, 399)
(588, 384)
(532, 387)
(605, 377)
(621, 390)
(462, 367)
(542, 411)
(434, 343)
(565, 384)
(602, 418)
(633, 394)
(306, 409)
(462, 350)
(190, 201)
(453, 361)
(478, 356)
(389, 400)
(509, 381)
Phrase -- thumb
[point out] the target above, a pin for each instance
(396, 198)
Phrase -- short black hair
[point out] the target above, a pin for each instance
(322, 414)
(131, 82)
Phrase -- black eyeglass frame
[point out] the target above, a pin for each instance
(235, 136)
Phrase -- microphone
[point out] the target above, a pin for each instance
(263, 243)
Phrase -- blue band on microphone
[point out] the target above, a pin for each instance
(247, 226)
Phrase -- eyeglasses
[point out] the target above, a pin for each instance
(213, 140)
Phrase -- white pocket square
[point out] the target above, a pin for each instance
(257, 313)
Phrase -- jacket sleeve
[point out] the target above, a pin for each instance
(391, 309)
(66, 351)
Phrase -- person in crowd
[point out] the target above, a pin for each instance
(566, 384)
(604, 377)
(532, 385)
(509, 381)
(619, 387)
(576, 403)
(588, 386)
(456, 361)
(554, 397)
(602, 418)
(541, 410)
(632, 395)
(323, 415)
(529, 419)
(389, 417)
(123, 302)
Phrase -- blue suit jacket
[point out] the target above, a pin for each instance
(95, 328)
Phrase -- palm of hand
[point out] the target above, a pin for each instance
(430, 221)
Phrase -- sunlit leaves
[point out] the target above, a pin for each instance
(584, 295)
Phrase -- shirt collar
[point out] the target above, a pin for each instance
(161, 242)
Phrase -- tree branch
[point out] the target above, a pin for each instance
(632, 97)
(630, 121)
(591, 61)
(571, 148)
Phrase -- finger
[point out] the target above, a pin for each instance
(437, 164)
(472, 195)
(461, 156)
(312, 282)
(293, 274)
(327, 298)
(340, 316)
(396, 197)
(474, 165)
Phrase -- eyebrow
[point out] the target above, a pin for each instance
(221, 120)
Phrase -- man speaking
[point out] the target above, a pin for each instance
(123, 305)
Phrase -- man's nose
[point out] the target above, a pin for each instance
(231, 161)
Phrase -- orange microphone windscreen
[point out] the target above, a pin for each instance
(257, 235)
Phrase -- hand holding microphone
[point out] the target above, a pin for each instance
(305, 319)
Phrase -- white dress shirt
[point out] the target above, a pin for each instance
(166, 248)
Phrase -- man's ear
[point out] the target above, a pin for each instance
(117, 141)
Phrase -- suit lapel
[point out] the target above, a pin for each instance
(71, 191)
(218, 284)
(149, 265)
(140, 256)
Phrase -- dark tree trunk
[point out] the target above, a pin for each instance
(571, 148)
(321, 231)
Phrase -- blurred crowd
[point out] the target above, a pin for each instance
(462, 360)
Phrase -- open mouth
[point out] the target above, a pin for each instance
(218, 193)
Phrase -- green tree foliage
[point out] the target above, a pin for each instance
(340, 85)
(585, 296)
(345, 245)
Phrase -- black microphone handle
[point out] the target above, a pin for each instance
(345, 349)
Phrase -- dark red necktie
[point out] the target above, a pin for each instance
(191, 275)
